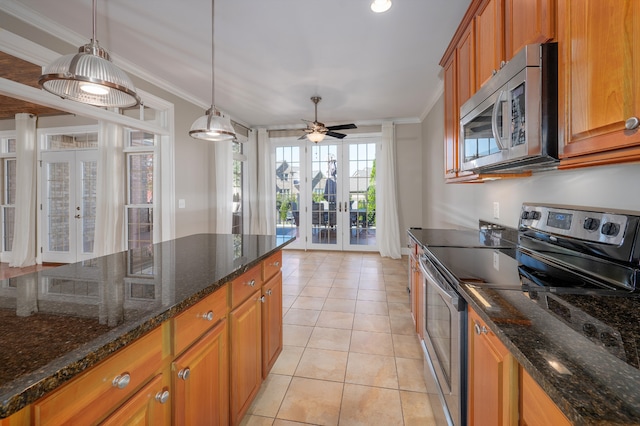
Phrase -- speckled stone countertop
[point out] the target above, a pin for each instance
(591, 372)
(58, 322)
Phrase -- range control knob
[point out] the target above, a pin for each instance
(591, 224)
(610, 229)
(524, 215)
(535, 215)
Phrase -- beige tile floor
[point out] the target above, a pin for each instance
(351, 355)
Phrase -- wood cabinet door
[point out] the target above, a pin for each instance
(489, 40)
(271, 323)
(492, 377)
(246, 354)
(527, 22)
(599, 80)
(150, 406)
(465, 56)
(451, 126)
(536, 408)
(201, 381)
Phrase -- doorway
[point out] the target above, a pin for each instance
(68, 182)
(325, 194)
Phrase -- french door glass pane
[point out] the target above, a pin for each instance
(140, 178)
(89, 182)
(58, 180)
(9, 220)
(362, 193)
(288, 190)
(236, 227)
(324, 186)
(10, 179)
(140, 221)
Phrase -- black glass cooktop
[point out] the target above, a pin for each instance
(460, 238)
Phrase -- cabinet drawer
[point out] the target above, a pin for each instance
(195, 321)
(271, 265)
(91, 396)
(245, 285)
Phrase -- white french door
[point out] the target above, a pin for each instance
(68, 205)
(326, 194)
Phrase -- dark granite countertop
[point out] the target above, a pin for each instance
(591, 372)
(58, 322)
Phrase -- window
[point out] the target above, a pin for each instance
(140, 156)
(239, 162)
(8, 152)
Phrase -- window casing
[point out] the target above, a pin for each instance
(140, 155)
(8, 165)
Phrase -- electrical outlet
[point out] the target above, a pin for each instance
(496, 260)
(496, 210)
(181, 203)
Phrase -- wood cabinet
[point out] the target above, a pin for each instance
(201, 380)
(271, 322)
(536, 408)
(416, 288)
(599, 81)
(527, 22)
(489, 50)
(245, 323)
(149, 406)
(493, 377)
(492, 31)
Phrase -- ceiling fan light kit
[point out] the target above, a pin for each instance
(316, 131)
(380, 6)
(90, 77)
(212, 126)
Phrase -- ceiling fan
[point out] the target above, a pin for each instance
(316, 131)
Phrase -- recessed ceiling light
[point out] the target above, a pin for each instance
(380, 6)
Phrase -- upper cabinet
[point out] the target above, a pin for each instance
(599, 84)
(527, 22)
(490, 33)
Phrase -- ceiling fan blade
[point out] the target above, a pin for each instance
(342, 127)
(336, 135)
(302, 137)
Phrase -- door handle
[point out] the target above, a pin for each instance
(77, 216)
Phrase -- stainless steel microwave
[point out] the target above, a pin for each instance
(511, 123)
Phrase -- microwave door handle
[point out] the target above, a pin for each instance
(494, 120)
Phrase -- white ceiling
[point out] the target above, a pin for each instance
(271, 56)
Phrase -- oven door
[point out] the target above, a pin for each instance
(444, 326)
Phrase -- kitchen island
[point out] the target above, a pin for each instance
(62, 322)
(580, 347)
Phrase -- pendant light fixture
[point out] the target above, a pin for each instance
(380, 6)
(212, 126)
(90, 77)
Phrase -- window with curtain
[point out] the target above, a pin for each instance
(239, 162)
(8, 152)
(140, 160)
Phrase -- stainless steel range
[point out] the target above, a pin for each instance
(562, 251)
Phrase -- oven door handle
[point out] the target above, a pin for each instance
(451, 297)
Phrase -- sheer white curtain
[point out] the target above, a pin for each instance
(24, 229)
(223, 196)
(387, 223)
(251, 173)
(110, 191)
(266, 186)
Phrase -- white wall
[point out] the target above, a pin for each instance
(455, 205)
(409, 176)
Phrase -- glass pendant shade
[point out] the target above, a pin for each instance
(89, 77)
(380, 6)
(212, 127)
(315, 137)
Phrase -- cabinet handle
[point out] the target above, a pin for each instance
(121, 381)
(162, 396)
(184, 373)
(276, 263)
(632, 123)
(262, 299)
(251, 283)
(480, 330)
(269, 292)
(208, 316)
